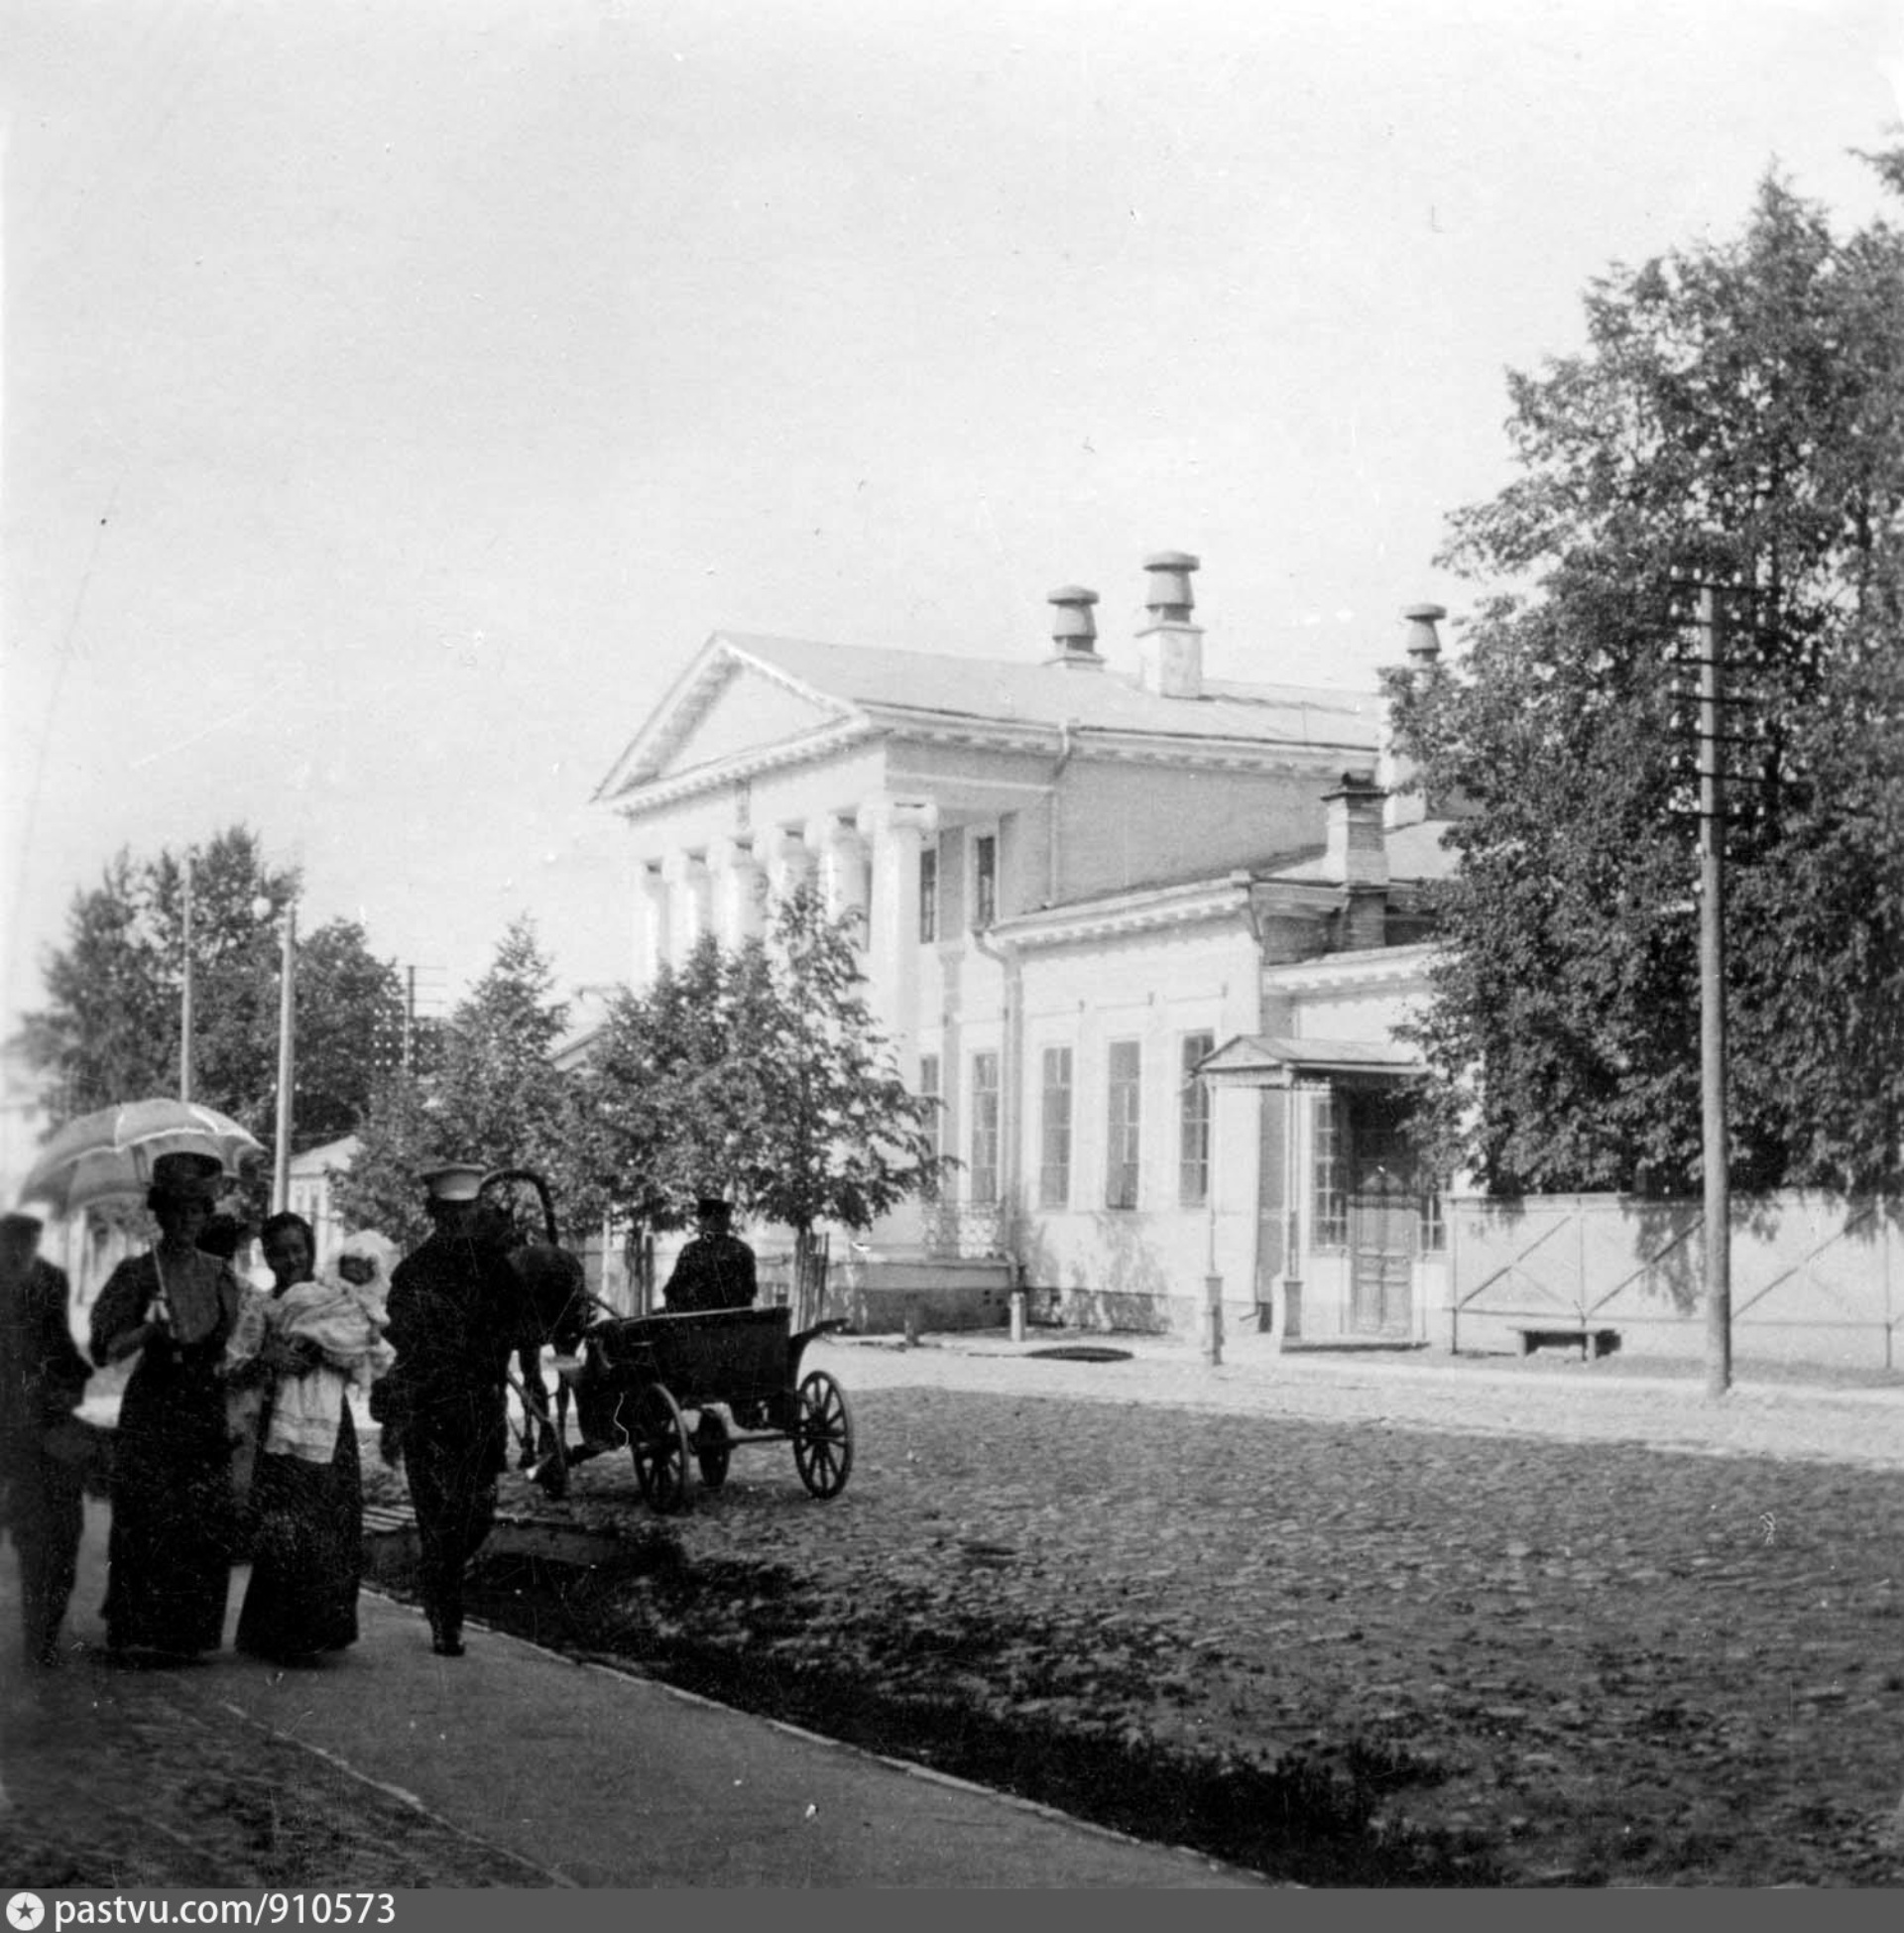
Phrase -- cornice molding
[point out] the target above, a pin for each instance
(827, 740)
(1113, 746)
(1204, 904)
(1375, 966)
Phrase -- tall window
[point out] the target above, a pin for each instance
(985, 1127)
(1329, 1184)
(929, 893)
(1121, 1143)
(985, 878)
(935, 1124)
(1431, 1219)
(1193, 1124)
(1055, 1142)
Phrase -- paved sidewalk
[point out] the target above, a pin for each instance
(599, 1779)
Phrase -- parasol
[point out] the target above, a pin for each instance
(98, 1156)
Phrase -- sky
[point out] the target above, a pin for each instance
(394, 396)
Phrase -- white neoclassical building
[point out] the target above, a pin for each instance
(1077, 883)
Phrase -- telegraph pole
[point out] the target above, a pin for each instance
(1713, 1153)
(286, 1060)
(184, 996)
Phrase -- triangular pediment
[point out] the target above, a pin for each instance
(728, 706)
(747, 712)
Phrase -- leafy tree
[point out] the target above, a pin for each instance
(829, 1132)
(756, 1071)
(496, 1097)
(1736, 417)
(112, 1026)
(650, 1104)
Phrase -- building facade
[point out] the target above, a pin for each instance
(1075, 885)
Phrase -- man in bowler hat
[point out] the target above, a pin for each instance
(716, 1270)
(457, 1316)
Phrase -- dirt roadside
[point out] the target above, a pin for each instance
(1347, 1624)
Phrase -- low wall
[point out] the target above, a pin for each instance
(885, 1298)
(1814, 1278)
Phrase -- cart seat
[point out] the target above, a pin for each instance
(709, 1356)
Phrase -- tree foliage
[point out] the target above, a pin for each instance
(494, 1097)
(1737, 419)
(112, 1026)
(758, 1074)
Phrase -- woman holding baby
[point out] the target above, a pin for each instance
(314, 1337)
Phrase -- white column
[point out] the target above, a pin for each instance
(740, 891)
(790, 859)
(844, 872)
(896, 831)
(690, 912)
(651, 922)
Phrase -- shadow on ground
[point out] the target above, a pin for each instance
(1305, 1816)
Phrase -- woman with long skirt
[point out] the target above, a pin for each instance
(307, 1495)
(174, 1514)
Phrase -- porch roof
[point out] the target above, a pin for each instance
(1281, 1060)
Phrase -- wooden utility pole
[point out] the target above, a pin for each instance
(1713, 1140)
(184, 995)
(286, 1060)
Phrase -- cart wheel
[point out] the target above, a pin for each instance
(822, 1435)
(659, 1439)
(712, 1451)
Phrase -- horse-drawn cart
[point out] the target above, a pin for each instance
(735, 1371)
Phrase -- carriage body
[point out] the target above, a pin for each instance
(736, 1372)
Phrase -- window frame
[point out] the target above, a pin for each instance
(1124, 1126)
(928, 896)
(931, 1089)
(984, 1139)
(1329, 1175)
(985, 880)
(1054, 1168)
(1195, 1135)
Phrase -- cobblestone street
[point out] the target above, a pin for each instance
(1557, 1630)
(1342, 1621)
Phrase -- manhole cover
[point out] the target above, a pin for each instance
(1083, 1353)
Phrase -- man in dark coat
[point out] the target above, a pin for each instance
(716, 1270)
(43, 1375)
(457, 1316)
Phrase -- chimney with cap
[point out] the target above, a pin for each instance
(1170, 647)
(1358, 856)
(1398, 772)
(1074, 630)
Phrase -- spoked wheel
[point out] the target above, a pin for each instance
(822, 1435)
(659, 1439)
(712, 1450)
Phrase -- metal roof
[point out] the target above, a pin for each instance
(1279, 1060)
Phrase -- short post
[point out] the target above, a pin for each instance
(1213, 1320)
(911, 1321)
(1017, 1315)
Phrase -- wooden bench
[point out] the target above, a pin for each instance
(1566, 1335)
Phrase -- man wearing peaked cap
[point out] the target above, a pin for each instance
(456, 1314)
(454, 1181)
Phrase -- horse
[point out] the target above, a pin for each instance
(558, 1308)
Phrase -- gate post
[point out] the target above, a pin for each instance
(1213, 1320)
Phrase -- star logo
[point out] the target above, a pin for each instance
(25, 1911)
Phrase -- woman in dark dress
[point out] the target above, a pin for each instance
(174, 1517)
(307, 1495)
